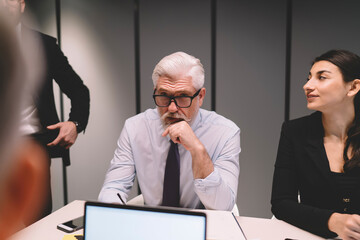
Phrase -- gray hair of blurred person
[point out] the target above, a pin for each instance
(180, 63)
(11, 83)
(19, 74)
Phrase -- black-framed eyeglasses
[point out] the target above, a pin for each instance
(180, 101)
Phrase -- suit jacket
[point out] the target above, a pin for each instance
(58, 68)
(302, 168)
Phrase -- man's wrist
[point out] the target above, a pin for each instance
(197, 148)
(201, 163)
(78, 126)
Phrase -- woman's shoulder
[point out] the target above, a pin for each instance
(304, 123)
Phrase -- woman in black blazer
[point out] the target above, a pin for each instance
(316, 183)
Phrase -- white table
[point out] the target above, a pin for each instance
(254, 228)
(272, 229)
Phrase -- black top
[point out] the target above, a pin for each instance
(347, 185)
(303, 169)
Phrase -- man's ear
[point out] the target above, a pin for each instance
(23, 191)
(354, 87)
(202, 96)
(22, 6)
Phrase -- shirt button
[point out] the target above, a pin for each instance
(347, 200)
(345, 209)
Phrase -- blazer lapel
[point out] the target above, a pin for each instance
(315, 144)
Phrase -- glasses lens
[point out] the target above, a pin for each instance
(183, 102)
(162, 101)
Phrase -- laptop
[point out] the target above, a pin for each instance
(112, 221)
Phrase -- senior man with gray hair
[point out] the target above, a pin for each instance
(183, 156)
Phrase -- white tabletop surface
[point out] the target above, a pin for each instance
(254, 228)
(272, 229)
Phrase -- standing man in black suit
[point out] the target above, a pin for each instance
(39, 116)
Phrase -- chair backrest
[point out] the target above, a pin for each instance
(60, 152)
(64, 154)
(138, 200)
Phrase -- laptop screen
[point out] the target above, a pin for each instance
(111, 221)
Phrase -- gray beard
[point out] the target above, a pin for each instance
(180, 116)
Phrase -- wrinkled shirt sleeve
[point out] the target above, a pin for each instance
(219, 189)
(121, 174)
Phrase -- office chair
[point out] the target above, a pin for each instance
(64, 154)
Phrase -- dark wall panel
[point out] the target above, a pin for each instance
(250, 90)
(170, 26)
(319, 26)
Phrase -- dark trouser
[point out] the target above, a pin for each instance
(44, 139)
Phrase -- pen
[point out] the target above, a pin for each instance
(121, 199)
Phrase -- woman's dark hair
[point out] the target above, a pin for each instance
(349, 65)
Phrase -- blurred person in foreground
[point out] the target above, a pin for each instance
(39, 117)
(23, 161)
(183, 156)
(319, 155)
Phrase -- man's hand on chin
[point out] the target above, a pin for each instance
(181, 132)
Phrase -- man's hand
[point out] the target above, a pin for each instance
(182, 133)
(67, 134)
(345, 225)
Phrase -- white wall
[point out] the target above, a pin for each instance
(97, 37)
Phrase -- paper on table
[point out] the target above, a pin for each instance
(73, 237)
(222, 225)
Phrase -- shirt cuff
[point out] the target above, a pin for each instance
(211, 181)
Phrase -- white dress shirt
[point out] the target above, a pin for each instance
(141, 150)
(30, 122)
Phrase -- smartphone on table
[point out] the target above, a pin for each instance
(72, 225)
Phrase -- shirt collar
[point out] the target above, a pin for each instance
(196, 123)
